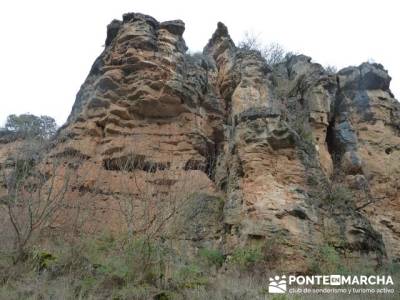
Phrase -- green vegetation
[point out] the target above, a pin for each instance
(189, 276)
(122, 267)
(106, 266)
(31, 126)
(301, 126)
(261, 255)
(41, 260)
(339, 194)
(325, 260)
(246, 257)
(212, 257)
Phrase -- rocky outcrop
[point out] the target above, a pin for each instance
(368, 121)
(283, 123)
(148, 122)
(222, 150)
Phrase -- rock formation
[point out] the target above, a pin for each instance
(233, 150)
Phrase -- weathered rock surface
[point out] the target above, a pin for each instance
(148, 122)
(370, 118)
(233, 150)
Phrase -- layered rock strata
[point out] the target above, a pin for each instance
(232, 150)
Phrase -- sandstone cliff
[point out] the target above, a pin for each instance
(234, 150)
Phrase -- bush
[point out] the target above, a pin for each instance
(135, 261)
(189, 276)
(326, 260)
(339, 195)
(393, 268)
(301, 126)
(272, 251)
(42, 260)
(212, 257)
(247, 256)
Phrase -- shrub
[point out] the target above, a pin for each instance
(393, 268)
(146, 260)
(339, 195)
(134, 260)
(247, 256)
(326, 260)
(313, 179)
(212, 257)
(41, 260)
(272, 251)
(189, 276)
(301, 125)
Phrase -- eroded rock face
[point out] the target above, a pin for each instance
(148, 122)
(264, 177)
(371, 154)
(286, 126)
(233, 150)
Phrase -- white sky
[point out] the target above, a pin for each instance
(48, 47)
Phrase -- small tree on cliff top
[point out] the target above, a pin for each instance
(31, 126)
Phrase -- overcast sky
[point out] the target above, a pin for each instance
(48, 47)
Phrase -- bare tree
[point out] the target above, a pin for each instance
(250, 41)
(33, 194)
(273, 53)
(152, 192)
(151, 196)
(331, 69)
